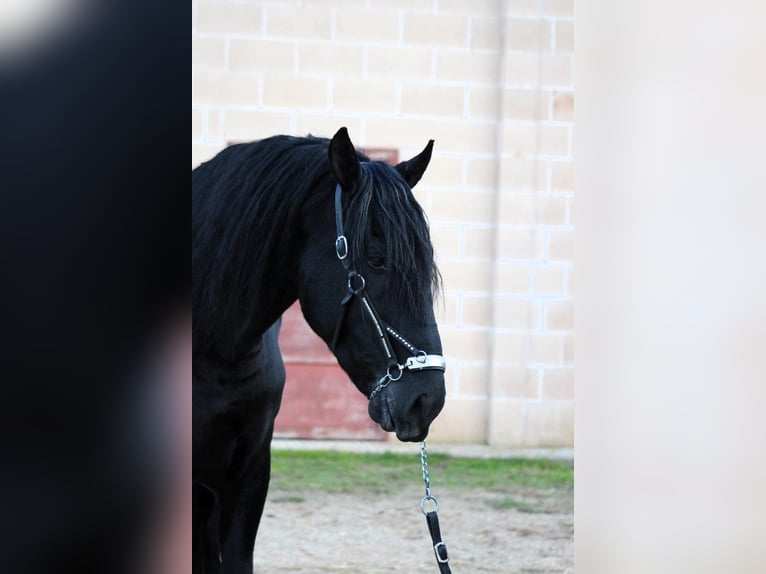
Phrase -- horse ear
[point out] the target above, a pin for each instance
(343, 159)
(412, 170)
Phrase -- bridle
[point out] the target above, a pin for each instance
(419, 360)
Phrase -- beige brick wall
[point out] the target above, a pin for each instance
(492, 83)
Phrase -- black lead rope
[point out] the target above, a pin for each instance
(440, 549)
(432, 516)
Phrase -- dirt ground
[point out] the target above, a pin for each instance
(528, 533)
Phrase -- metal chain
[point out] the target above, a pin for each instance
(382, 384)
(424, 467)
(388, 378)
(426, 480)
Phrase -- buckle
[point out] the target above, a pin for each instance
(439, 558)
(341, 247)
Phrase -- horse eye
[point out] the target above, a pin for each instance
(377, 262)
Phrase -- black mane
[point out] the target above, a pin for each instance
(246, 202)
(382, 205)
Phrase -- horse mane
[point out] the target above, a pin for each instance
(245, 205)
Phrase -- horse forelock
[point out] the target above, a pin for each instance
(383, 205)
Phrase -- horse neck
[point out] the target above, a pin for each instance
(233, 331)
(273, 303)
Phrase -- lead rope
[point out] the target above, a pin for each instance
(432, 516)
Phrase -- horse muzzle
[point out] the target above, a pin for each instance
(409, 406)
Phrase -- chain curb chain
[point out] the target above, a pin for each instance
(382, 384)
(387, 379)
(426, 481)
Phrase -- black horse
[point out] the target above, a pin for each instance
(312, 219)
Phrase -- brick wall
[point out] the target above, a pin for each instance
(492, 83)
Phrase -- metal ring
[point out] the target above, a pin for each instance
(351, 276)
(398, 376)
(423, 504)
(422, 357)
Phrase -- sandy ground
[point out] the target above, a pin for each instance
(345, 533)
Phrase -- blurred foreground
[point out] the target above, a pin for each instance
(94, 289)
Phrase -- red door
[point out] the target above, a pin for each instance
(319, 400)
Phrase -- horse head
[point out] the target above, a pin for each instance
(367, 281)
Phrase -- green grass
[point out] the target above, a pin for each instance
(508, 502)
(288, 498)
(340, 472)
